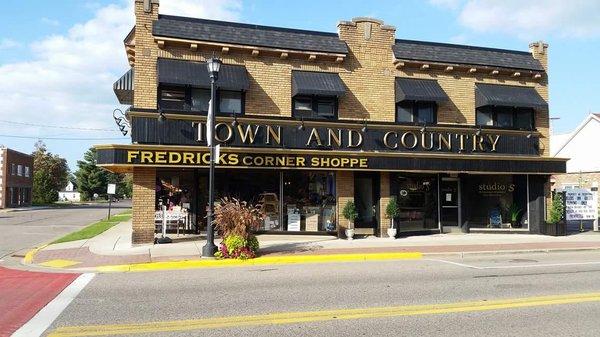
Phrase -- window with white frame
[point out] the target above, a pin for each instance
(20, 170)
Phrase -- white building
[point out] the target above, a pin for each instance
(582, 146)
(69, 193)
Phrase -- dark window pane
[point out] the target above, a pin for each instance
(200, 98)
(504, 118)
(325, 108)
(404, 112)
(230, 101)
(484, 117)
(524, 119)
(303, 104)
(426, 112)
(173, 95)
(172, 98)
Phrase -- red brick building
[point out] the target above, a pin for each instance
(16, 178)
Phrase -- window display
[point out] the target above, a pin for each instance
(495, 201)
(309, 201)
(417, 200)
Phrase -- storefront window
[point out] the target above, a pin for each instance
(256, 187)
(495, 201)
(417, 200)
(175, 190)
(309, 201)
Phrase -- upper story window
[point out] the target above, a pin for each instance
(13, 169)
(27, 172)
(196, 99)
(416, 112)
(315, 107)
(20, 170)
(506, 117)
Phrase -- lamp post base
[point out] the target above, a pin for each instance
(209, 250)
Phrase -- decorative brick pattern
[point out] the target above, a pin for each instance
(144, 195)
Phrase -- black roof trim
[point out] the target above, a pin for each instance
(463, 46)
(245, 25)
(248, 34)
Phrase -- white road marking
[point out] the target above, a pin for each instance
(518, 266)
(42, 320)
(455, 263)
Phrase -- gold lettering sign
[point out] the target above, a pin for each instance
(202, 159)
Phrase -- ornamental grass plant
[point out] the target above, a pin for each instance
(235, 220)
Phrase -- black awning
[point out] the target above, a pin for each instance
(508, 95)
(123, 88)
(195, 74)
(410, 89)
(317, 83)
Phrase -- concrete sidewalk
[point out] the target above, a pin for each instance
(114, 247)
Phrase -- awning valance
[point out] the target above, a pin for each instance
(317, 83)
(123, 88)
(410, 89)
(195, 74)
(508, 95)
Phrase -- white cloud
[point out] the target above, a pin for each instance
(7, 43)
(530, 19)
(69, 79)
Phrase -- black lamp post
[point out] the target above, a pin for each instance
(209, 250)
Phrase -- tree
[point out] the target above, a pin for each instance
(92, 179)
(50, 174)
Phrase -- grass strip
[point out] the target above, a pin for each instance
(95, 228)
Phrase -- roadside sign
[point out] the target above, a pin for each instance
(111, 189)
(581, 204)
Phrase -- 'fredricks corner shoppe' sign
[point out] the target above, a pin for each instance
(290, 146)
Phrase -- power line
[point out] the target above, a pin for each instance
(56, 126)
(58, 138)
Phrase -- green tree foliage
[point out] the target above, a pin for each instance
(92, 179)
(557, 209)
(50, 174)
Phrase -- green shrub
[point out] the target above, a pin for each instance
(236, 247)
(557, 209)
(349, 212)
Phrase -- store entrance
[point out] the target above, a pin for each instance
(450, 204)
(366, 198)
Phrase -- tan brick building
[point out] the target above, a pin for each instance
(308, 121)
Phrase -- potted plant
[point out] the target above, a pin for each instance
(514, 213)
(391, 212)
(555, 225)
(349, 213)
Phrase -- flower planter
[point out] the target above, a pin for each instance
(391, 232)
(556, 229)
(350, 233)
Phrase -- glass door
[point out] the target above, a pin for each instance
(366, 198)
(450, 202)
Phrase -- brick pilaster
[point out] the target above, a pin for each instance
(344, 185)
(384, 190)
(144, 198)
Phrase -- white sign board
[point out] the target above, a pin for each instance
(581, 204)
(293, 222)
(111, 189)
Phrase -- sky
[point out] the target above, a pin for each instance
(58, 59)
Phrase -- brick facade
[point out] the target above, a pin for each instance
(16, 178)
(368, 72)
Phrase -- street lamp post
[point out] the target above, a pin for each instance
(209, 250)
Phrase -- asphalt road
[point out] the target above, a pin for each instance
(369, 299)
(21, 230)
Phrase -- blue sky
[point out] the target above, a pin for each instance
(59, 58)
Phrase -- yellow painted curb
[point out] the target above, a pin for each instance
(267, 260)
(28, 259)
